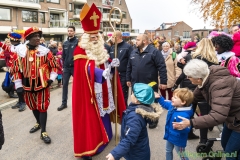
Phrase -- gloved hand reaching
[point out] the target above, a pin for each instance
(115, 62)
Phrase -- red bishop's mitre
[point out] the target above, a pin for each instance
(90, 18)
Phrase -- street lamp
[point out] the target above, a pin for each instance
(226, 6)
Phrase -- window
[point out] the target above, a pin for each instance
(120, 1)
(117, 12)
(53, 1)
(41, 1)
(70, 6)
(5, 14)
(124, 15)
(42, 17)
(186, 34)
(106, 10)
(30, 16)
(169, 34)
(176, 33)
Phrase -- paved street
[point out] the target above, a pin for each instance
(21, 145)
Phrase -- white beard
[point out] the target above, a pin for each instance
(94, 51)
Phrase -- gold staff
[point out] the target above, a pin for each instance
(115, 75)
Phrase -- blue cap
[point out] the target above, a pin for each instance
(144, 93)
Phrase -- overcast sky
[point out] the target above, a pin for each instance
(149, 14)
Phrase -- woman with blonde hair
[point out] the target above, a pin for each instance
(206, 51)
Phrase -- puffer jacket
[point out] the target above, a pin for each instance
(134, 143)
(146, 66)
(222, 92)
(1, 132)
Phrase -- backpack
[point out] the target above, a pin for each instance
(174, 55)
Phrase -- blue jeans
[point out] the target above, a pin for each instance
(230, 142)
(180, 151)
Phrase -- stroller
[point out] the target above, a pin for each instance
(206, 151)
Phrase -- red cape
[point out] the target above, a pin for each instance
(88, 130)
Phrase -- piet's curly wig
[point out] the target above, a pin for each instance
(225, 42)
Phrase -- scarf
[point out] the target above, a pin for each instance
(165, 54)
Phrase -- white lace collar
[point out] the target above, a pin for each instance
(225, 56)
(22, 50)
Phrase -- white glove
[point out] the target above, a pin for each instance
(115, 62)
(106, 73)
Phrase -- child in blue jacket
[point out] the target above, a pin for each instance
(134, 143)
(179, 106)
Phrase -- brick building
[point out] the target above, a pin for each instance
(53, 16)
(202, 33)
(173, 30)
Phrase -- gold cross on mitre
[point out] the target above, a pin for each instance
(94, 17)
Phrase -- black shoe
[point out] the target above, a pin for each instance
(35, 128)
(191, 135)
(46, 139)
(62, 107)
(87, 158)
(12, 95)
(16, 105)
(22, 107)
(153, 125)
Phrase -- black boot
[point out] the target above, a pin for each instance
(191, 135)
(22, 107)
(16, 105)
(12, 95)
(62, 107)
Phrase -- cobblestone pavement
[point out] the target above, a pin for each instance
(21, 145)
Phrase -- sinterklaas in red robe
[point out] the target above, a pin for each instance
(88, 129)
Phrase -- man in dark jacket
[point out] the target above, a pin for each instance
(124, 51)
(145, 63)
(67, 56)
(1, 132)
